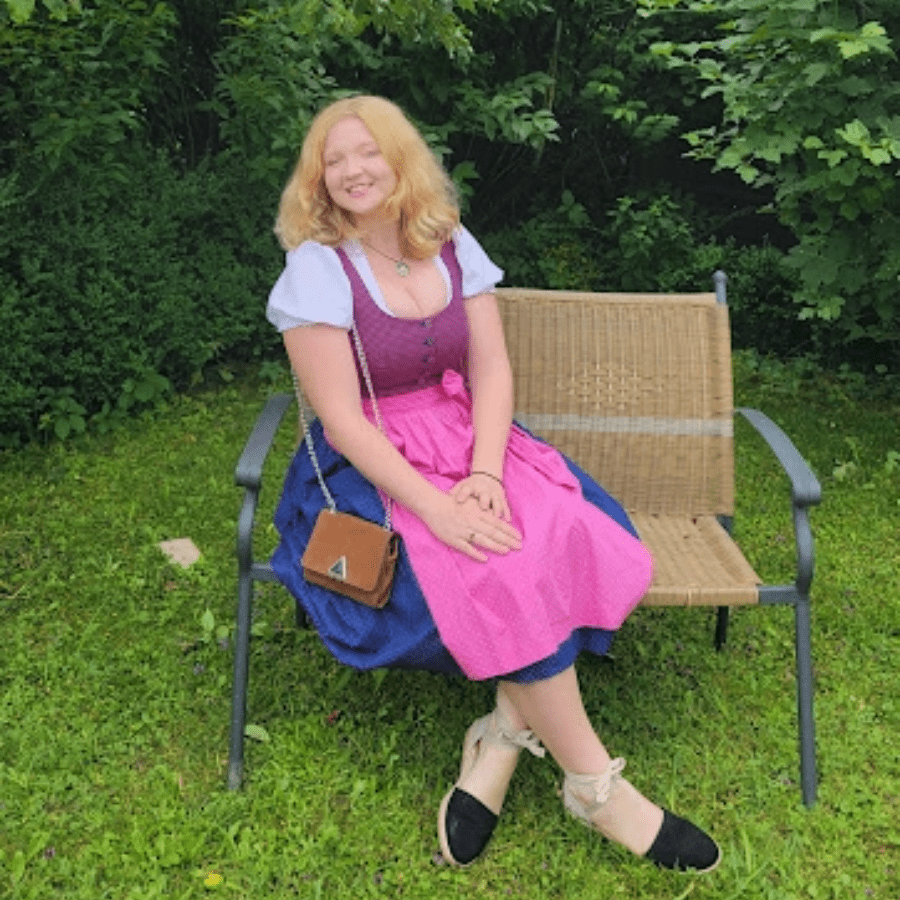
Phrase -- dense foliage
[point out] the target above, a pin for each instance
(143, 147)
(811, 110)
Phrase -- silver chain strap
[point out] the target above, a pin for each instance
(329, 499)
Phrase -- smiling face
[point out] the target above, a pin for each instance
(357, 177)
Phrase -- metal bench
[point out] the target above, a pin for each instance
(637, 390)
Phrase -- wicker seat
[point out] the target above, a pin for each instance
(636, 389)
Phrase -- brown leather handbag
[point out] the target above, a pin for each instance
(351, 556)
(345, 553)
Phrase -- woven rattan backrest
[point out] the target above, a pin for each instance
(636, 388)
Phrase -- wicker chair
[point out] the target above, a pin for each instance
(636, 388)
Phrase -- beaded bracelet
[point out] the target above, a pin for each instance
(498, 480)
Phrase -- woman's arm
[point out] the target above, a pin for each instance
(490, 376)
(323, 361)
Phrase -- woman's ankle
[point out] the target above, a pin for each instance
(508, 709)
(630, 818)
(614, 807)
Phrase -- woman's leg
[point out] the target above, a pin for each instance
(554, 711)
(469, 811)
(489, 777)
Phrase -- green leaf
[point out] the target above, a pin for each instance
(848, 174)
(855, 133)
(872, 30)
(854, 86)
(748, 173)
(822, 34)
(832, 157)
(849, 209)
(815, 72)
(20, 10)
(257, 733)
(208, 622)
(17, 867)
(854, 47)
(878, 156)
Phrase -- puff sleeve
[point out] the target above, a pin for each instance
(313, 289)
(480, 275)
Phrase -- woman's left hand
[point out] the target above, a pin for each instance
(488, 491)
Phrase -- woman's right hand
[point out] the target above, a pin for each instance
(470, 529)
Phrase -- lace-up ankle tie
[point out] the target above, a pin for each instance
(678, 844)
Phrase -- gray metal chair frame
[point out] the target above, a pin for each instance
(805, 492)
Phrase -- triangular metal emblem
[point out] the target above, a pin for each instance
(338, 569)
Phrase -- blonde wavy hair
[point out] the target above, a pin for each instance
(424, 200)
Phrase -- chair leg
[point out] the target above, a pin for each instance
(721, 627)
(806, 722)
(241, 673)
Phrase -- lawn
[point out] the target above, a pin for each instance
(116, 670)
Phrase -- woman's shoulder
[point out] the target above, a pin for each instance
(461, 235)
(312, 255)
(312, 289)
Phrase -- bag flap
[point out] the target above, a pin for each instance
(349, 549)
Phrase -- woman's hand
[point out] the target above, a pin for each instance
(465, 526)
(487, 490)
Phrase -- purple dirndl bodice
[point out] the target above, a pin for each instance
(410, 354)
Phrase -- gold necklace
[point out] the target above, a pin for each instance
(400, 265)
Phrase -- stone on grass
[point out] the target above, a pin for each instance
(182, 551)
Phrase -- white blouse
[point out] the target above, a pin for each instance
(315, 289)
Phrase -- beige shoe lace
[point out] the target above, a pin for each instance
(497, 730)
(584, 795)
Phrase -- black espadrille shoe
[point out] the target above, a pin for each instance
(465, 823)
(682, 846)
(678, 845)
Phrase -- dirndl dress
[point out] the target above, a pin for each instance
(524, 615)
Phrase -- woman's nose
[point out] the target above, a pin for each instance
(352, 164)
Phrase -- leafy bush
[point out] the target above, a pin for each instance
(113, 295)
(809, 110)
(649, 243)
(553, 249)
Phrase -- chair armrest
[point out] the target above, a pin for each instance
(248, 472)
(805, 487)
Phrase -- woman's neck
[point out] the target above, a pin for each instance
(383, 235)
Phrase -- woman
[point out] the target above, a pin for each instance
(513, 561)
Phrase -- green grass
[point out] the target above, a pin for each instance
(115, 691)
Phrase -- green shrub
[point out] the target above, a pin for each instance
(649, 243)
(118, 290)
(555, 249)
